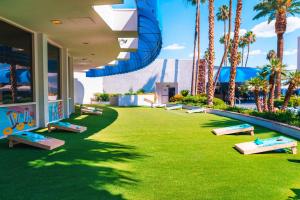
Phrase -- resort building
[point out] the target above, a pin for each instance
(42, 44)
(164, 77)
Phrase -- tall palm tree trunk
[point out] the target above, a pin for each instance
(195, 52)
(13, 82)
(271, 93)
(257, 100)
(224, 58)
(280, 44)
(234, 53)
(248, 51)
(288, 95)
(243, 52)
(199, 49)
(280, 29)
(211, 61)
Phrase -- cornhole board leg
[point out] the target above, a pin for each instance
(11, 143)
(50, 128)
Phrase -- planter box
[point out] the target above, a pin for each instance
(134, 100)
(286, 129)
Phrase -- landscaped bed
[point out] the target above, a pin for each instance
(144, 153)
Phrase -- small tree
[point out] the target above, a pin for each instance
(256, 83)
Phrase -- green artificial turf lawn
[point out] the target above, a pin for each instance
(147, 154)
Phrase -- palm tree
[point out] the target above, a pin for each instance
(250, 39)
(272, 70)
(271, 55)
(196, 39)
(265, 90)
(228, 42)
(242, 45)
(223, 15)
(256, 83)
(293, 82)
(211, 61)
(278, 10)
(234, 53)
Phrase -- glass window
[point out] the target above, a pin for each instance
(15, 65)
(53, 73)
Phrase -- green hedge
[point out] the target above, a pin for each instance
(294, 102)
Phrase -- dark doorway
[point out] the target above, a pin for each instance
(172, 92)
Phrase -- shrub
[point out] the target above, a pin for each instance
(184, 92)
(294, 102)
(176, 98)
(101, 97)
(140, 91)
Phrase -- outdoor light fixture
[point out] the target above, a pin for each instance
(56, 21)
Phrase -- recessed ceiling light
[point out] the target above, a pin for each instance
(56, 21)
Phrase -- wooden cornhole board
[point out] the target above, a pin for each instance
(234, 129)
(175, 107)
(252, 147)
(65, 126)
(90, 110)
(196, 110)
(154, 105)
(35, 140)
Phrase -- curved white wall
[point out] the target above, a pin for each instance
(85, 88)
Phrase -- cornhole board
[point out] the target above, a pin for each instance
(196, 110)
(234, 129)
(155, 105)
(175, 107)
(270, 144)
(66, 127)
(35, 140)
(158, 105)
(90, 110)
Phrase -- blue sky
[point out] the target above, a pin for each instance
(177, 20)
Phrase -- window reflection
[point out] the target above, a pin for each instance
(53, 73)
(15, 65)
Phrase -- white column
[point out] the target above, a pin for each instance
(71, 86)
(298, 55)
(41, 79)
(65, 81)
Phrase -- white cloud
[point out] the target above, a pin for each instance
(256, 52)
(174, 47)
(265, 30)
(290, 52)
(242, 32)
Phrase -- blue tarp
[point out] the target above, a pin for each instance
(243, 74)
(149, 44)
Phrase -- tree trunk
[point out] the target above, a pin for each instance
(265, 100)
(199, 49)
(257, 100)
(234, 53)
(280, 29)
(195, 52)
(248, 51)
(280, 43)
(211, 61)
(243, 50)
(288, 95)
(224, 58)
(271, 93)
(13, 82)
